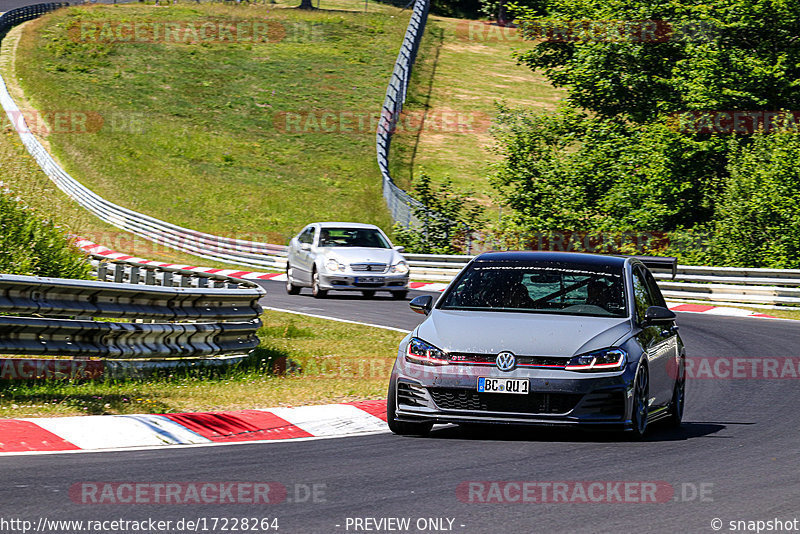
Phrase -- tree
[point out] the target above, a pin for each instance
(625, 152)
(712, 55)
(758, 218)
(306, 4)
(448, 218)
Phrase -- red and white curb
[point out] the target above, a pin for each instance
(716, 310)
(114, 432)
(93, 248)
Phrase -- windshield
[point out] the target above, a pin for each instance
(543, 287)
(352, 237)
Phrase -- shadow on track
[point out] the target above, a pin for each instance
(657, 433)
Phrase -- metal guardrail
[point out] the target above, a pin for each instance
(11, 18)
(399, 202)
(213, 247)
(167, 322)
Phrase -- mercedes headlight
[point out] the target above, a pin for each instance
(612, 359)
(400, 267)
(424, 353)
(334, 266)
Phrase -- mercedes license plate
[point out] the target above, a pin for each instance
(518, 386)
(369, 280)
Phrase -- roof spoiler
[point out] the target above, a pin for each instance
(661, 263)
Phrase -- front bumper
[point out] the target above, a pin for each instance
(555, 397)
(360, 282)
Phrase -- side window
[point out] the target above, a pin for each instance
(655, 292)
(641, 295)
(307, 236)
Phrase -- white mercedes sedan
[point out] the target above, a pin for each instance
(345, 256)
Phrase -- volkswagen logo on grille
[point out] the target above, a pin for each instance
(506, 361)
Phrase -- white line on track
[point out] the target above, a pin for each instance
(337, 319)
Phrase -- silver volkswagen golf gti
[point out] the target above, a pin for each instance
(543, 338)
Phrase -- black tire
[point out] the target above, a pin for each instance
(290, 287)
(678, 399)
(399, 295)
(316, 291)
(402, 428)
(368, 293)
(641, 395)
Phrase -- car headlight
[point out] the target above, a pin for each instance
(334, 266)
(612, 359)
(400, 267)
(424, 353)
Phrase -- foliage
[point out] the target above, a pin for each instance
(617, 158)
(758, 221)
(448, 219)
(30, 245)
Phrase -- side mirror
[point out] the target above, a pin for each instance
(422, 304)
(400, 249)
(657, 315)
(305, 246)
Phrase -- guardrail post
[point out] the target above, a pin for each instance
(166, 279)
(134, 276)
(102, 271)
(150, 277)
(119, 272)
(185, 280)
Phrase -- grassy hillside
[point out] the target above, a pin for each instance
(463, 70)
(198, 134)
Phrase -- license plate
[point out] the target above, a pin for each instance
(518, 386)
(369, 280)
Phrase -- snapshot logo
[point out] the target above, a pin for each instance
(744, 368)
(178, 31)
(581, 491)
(359, 121)
(586, 31)
(209, 492)
(733, 122)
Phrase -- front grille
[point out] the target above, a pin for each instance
(605, 403)
(534, 402)
(410, 395)
(369, 267)
(522, 361)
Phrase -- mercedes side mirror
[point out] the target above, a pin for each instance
(400, 249)
(422, 304)
(658, 315)
(305, 246)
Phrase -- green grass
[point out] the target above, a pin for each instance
(206, 152)
(464, 68)
(331, 362)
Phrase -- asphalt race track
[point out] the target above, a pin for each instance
(735, 458)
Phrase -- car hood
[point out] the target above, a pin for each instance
(362, 254)
(529, 334)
